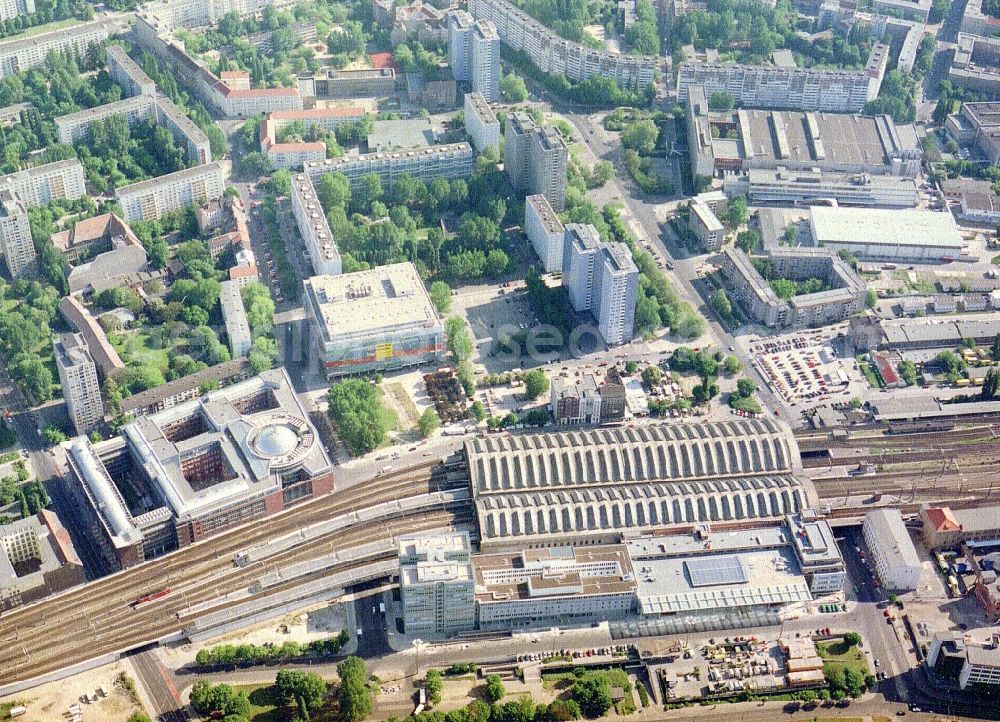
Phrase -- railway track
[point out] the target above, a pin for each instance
(96, 618)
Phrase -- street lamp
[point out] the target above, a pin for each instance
(416, 645)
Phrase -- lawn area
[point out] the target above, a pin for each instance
(996, 261)
(265, 707)
(838, 655)
(46, 28)
(134, 347)
(616, 677)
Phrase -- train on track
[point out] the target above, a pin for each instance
(917, 426)
(140, 602)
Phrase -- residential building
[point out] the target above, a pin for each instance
(105, 357)
(616, 289)
(706, 226)
(235, 455)
(481, 123)
(806, 89)
(581, 244)
(977, 22)
(555, 55)
(186, 388)
(127, 73)
(373, 320)
(14, 8)
(234, 315)
(37, 559)
(959, 661)
(15, 233)
(460, 25)
(976, 63)
(947, 528)
(553, 586)
(78, 379)
(891, 550)
(311, 221)
(576, 400)
(150, 199)
(535, 159)
(545, 231)
(437, 584)
(75, 127)
(785, 187)
(725, 142)
(439, 161)
(295, 154)
(484, 60)
(30, 50)
(845, 296)
(201, 13)
(917, 235)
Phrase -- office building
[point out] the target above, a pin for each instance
(30, 50)
(891, 550)
(555, 55)
(616, 289)
(235, 455)
(340, 84)
(459, 53)
(977, 125)
(78, 378)
(440, 161)
(844, 297)
(545, 231)
(111, 248)
(955, 660)
(706, 226)
(724, 142)
(311, 221)
(587, 399)
(976, 63)
(553, 586)
(37, 559)
(978, 203)
(921, 236)
(150, 199)
(771, 86)
(437, 584)
(581, 244)
(787, 187)
(294, 154)
(947, 528)
(374, 320)
(817, 552)
(234, 315)
(481, 123)
(484, 60)
(535, 159)
(590, 486)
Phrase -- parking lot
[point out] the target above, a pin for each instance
(800, 368)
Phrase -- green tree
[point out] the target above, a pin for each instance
(307, 688)
(458, 339)
(440, 294)
(746, 387)
(263, 354)
(651, 376)
(721, 100)
(631, 366)
(871, 298)
(949, 362)
(361, 418)
(494, 688)
(721, 304)
(995, 348)
(428, 423)
(784, 288)
(640, 136)
(433, 684)
(908, 371)
(748, 240)
(355, 696)
(535, 383)
(855, 403)
(991, 384)
(852, 639)
(333, 190)
(736, 212)
(513, 89)
(731, 365)
(478, 410)
(593, 694)
(601, 173)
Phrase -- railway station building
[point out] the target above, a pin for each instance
(200, 467)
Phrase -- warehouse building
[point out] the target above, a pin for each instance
(553, 586)
(437, 584)
(920, 236)
(891, 550)
(730, 141)
(373, 320)
(785, 187)
(237, 454)
(596, 485)
(939, 333)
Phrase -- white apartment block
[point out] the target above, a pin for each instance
(199, 13)
(706, 226)
(127, 73)
(75, 127)
(459, 29)
(235, 317)
(580, 250)
(78, 378)
(616, 288)
(15, 233)
(14, 8)
(545, 231)
(484, 60)
(769, 86)
(437, 161)
(891, 550)
(553, 54)
(481, 123)
(20, 54)
(313, 227)
(150, 199)
(535, 159)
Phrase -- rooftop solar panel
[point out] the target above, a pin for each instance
(715, 571)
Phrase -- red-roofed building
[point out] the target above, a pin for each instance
(383, 60)
(295, 154)
(941, 529)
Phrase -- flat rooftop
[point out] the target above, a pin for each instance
(543, 209)
(370, 302)
(389, 135)
(891, 227)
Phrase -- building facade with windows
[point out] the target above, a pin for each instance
(314, 227)
(437, 584)
(78, 379)
(545, 231)
(481, 123)
(151, 199)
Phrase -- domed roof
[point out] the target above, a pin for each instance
(276, 440)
